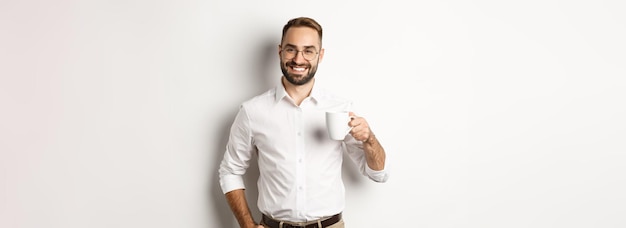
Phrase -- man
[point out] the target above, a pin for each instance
(300, 181)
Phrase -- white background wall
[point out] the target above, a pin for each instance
(493, 113)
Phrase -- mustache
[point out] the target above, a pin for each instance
(294, 64)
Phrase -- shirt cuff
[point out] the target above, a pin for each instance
(231, 182)
(380, 176)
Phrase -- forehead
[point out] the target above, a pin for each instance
(301, 37)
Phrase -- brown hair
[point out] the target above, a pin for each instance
(302, 22)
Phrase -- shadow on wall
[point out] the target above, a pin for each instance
(267, 62)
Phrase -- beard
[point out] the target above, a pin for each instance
(297, 79)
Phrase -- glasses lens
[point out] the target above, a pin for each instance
(308, 54)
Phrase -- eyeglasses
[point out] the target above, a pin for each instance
(308, 53)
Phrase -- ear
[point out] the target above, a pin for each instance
(279, 50)
(321, 55)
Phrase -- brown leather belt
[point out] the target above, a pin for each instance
(325, 223)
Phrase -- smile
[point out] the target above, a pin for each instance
(298, 69)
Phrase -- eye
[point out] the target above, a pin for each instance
(290, 50)
(309, 52)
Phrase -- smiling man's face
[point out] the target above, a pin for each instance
(297, 69)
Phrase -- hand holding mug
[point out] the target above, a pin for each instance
(339, 124)
(360, 128)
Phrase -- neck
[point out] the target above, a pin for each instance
(298, 92)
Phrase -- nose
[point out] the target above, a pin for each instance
(299, 57)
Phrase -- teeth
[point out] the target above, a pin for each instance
(298, 69)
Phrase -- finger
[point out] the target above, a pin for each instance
(358, 122)
(360, 136)
(353, 121)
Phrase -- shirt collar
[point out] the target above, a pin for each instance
(280, 92)
(316, 93)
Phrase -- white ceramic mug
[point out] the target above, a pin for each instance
(337, 124)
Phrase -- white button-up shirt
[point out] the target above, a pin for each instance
(300, 166)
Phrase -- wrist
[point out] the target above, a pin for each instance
(250, 225)
(370, 140)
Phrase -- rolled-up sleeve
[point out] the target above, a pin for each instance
(239, 150)
(355, 151)
(377, 175)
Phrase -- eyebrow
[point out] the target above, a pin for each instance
(305, 47)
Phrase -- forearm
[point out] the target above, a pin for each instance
(239, 205)
(374, 153)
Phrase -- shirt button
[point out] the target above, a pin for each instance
(299, 133)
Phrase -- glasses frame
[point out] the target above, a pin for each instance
(298, 51)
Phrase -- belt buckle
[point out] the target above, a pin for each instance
(293, 226)
(315, 226)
